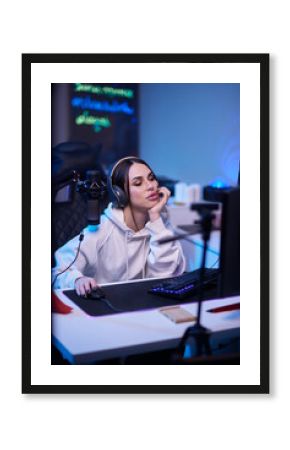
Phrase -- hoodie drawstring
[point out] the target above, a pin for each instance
(127, 257)
(145, 257)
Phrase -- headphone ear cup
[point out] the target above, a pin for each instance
(121, 196)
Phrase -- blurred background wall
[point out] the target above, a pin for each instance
(187, 132)
(191, 132)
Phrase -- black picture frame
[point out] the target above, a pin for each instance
(263, 61)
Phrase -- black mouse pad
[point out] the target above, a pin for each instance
(128, 297)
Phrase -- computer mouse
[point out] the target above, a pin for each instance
(96, 294)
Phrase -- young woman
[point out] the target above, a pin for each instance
(125, 244)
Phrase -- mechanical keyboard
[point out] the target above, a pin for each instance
(185, 285)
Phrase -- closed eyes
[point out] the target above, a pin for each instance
(137, 181)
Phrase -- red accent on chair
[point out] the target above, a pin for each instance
(58, 306)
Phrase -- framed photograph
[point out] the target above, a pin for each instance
(145, 223)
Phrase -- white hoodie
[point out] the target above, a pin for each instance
(113, 252)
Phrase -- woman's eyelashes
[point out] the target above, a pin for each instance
(140, 182)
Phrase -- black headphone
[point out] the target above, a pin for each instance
(119, 193)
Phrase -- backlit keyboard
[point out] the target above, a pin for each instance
(185, 285)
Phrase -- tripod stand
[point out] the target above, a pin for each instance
(198, 332)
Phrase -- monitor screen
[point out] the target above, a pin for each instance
(229, 261)
(230, 244)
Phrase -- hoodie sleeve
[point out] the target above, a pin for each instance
(84, 264)
(163, 259)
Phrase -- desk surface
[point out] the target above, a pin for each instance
(84, 339)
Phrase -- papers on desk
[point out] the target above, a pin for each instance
(177, 314)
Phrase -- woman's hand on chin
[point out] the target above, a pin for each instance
(154, 212)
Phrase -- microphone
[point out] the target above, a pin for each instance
(95, 188)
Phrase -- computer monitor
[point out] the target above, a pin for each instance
(229, 280)
(229, 283)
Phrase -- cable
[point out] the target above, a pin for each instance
(215, 263)
(109, 304)
(81, 237)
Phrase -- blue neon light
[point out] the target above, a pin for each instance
(114, 107)
(93, 228)
(219, 184)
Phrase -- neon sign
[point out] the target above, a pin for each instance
(114, 107)
(98, 123)
(104, 90)
(103, 105)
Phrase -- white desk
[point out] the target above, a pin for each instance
(84, 339)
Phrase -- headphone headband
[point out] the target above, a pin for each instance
(119, 162)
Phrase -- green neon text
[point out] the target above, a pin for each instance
(98, 123)
(106, 90)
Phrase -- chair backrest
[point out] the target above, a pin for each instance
(69, 208)
(68, 219)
